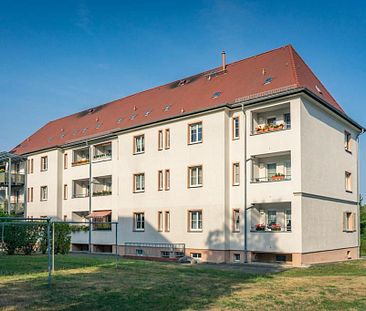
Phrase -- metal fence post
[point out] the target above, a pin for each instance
(49, 252)
(53, 247)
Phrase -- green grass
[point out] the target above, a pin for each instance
(92, 283)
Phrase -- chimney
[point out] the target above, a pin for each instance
(223, 57)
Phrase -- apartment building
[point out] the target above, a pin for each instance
(12, 184)
(250, 161)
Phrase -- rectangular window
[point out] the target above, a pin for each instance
(165, 254)
(349, 221)
(197, 256)
(44, 193)
(139, 182)
(195, 220)
(139, 222)
(288, 170)
(348, 181)
(167, 180)
(236, 174)
(195, 176)
(271, 121)
(30, 194)
(160, 221)
(139, 144)
(236, 220)
(195, 133)
(167, 221)
(167, 139)
(347, 141)
(44, 163)
(65, 192)
(30, 166)
(139, 252)
(288, 220)
(160, 140)
(237, 257)
(236, 128)
(272, 218)
(287, 120)
(65, 161)
(160, 180)
(271, 170)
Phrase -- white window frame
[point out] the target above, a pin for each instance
(160, 180)
(236, 174)
(348, 181)
(44, 163)
(195, 130)
(139, 144)
(139, 182)
(347, 141)
(236, 127)
(197, 224)
(160, 221)
(43, 193)
(139, 222)
(197, 181)
(236, 220)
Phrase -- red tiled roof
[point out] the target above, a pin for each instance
(242, 79)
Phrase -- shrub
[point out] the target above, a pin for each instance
(62, 239)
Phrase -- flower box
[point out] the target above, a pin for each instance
(260, 227)
(278, 177)
(275, 227)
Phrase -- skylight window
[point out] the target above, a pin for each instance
(216, 94)
(133, 116)
(98, 125)
(267, 80)
(183, 82)
(74, 132)
(62, 135)
(119, 120)
(167, 108)
(84, 130)
(147, 113)
(50, 139)
(318, 89)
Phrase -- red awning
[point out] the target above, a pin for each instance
(99, 214)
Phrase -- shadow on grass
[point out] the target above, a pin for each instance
(134, 285)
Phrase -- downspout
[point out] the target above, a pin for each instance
(90, 191)
(358, 192)
(245, 187)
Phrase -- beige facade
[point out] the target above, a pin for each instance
(289, 155)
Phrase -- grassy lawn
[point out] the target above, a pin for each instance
(84, 283)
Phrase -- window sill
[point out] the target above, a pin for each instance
(269, 181)
(139, 191)
(235, 138)
(194, 231)
(235, 185)
(349, 191)
(195, 143)
(266, 231)
(349, 231)
(137, 230)
(192, 187)
(348, 151)
(136, 153)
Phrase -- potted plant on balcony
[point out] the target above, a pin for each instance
(259, 129)
(277, 177)
(260, 227)
(275, 227)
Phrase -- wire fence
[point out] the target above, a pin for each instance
(48, 237)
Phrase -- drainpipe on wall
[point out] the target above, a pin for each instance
(358, 191)
(90, 191)
(245, 187)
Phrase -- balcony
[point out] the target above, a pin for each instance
(272, 119)
(102, 152)
(81, 156)
(271, 217)
(102, 186)
(80, 188)
(274, 167)
(16, 179)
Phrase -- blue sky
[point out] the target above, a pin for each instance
(57, 58)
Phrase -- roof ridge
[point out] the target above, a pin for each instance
(293, 65)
